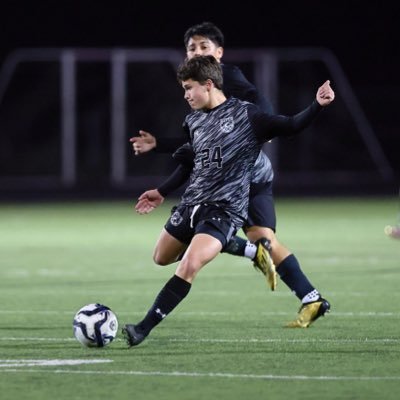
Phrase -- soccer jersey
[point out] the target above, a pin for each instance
(225, 150)
(235, 85)
(226, 142)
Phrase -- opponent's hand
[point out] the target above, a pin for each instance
(148, 201)
(325, 94)
(143, 143)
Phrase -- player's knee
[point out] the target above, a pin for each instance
(189, 267)
(161, 259)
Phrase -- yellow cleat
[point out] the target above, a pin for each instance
(263, 262)
(310, 312)
(393, 231)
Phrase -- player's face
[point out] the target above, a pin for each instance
(202, 46)
(197, 95)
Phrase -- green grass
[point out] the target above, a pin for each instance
(226, 339)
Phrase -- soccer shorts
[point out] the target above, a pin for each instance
(261, 207)
(187, 221)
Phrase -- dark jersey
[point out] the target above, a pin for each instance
(226, 142)
(236, 85)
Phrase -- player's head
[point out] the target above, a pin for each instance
(198, 77)
(204, 39)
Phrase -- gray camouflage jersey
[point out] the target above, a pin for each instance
(263, 171)
(226, 149)
(226, 142)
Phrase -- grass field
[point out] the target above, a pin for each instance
(226, 340)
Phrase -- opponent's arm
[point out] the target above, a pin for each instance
(146, 142)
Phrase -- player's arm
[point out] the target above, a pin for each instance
(146, 142)
(151, 199)
(268, 127)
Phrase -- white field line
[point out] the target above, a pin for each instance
(226, 375)
(49, 362)
(366, 341)
(213, 313)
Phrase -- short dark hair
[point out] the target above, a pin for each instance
(200, 69)
(205, 29)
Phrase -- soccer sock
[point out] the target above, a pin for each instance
(290, 272)
(238, 246)
(174, 291)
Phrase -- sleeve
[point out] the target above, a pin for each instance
(169, 145)
(266, 127)
(185, 155)
(175, 180)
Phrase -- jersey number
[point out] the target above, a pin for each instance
(209, 156)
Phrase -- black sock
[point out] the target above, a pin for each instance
(235, 246)
(290, 272)
(174, 291)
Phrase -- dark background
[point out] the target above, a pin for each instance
(364, 36)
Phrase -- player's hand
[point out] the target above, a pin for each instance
(143, 143)
(325, 94)
(148, 201)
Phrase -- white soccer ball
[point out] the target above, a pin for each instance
(95, 325)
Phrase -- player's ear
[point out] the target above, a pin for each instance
(209, 84)
(219, 53)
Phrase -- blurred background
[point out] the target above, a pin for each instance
(78, 79)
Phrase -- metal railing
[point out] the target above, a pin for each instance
(265, 62)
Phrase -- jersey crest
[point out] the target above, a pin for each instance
(176, 218)
(227, 124)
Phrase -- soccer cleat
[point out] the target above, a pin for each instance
(132, 336)
(263, 262)
(393, 231)
(310, 312)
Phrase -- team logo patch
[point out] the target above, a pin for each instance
(227, 124)
(176, 218)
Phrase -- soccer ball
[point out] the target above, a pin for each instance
(95, 325)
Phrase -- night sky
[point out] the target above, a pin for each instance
(364, 35)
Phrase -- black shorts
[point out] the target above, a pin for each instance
(261, 206)
(186, 221)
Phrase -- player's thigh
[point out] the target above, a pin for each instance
(202, 249)
(167, 249)
(261, 211)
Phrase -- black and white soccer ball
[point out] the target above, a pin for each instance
(95, 325)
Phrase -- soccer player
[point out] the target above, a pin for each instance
(207, 39)
(226, 136)
(393, 231)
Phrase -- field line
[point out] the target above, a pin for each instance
(182, 374)
(214, 313)
(221, 340)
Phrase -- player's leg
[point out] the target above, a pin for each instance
(202, 249)
(168, 249)
(173, 240)
(288, 268)
(262, 224)
(206, 243)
